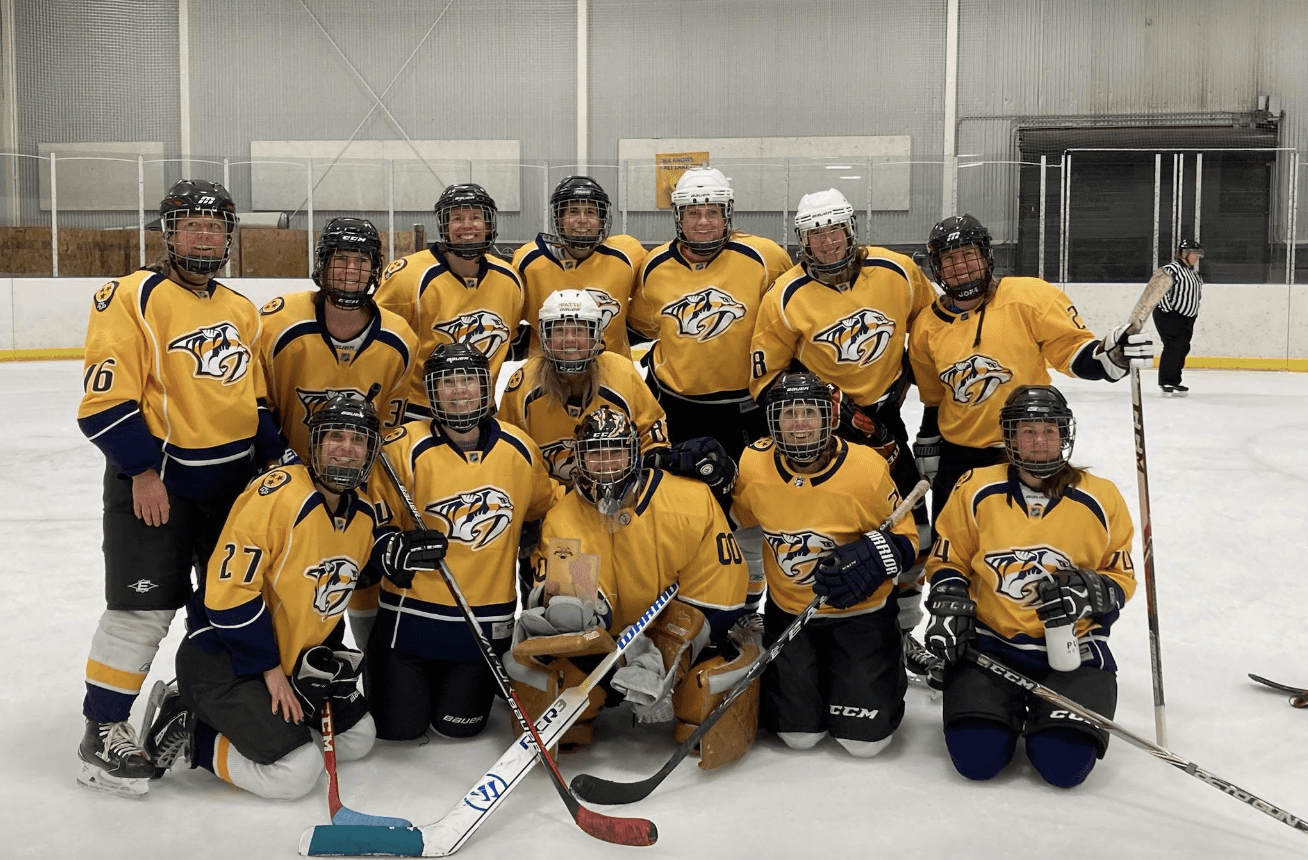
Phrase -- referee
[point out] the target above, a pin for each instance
(1175, 314)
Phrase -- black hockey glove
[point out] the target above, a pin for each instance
(529, 539)
(349, 665)
(702, 458)
(953, 621)
(313, 678)
(1074, 594)
(402, 554)
(852, 572)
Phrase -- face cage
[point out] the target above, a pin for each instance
(1040, 468)
(338, 478)
(466, 250)
(347, 300)
(838, 267)
(806, 452)
(580, 243)
(969, 289)
(709, 248)
(197, 265)
(571, 365)
(604, 490)
(460, 422)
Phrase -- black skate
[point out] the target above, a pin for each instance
(170, 729)
(113, 761)
(919, 661)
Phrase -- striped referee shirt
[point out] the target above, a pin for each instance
(1183, 296)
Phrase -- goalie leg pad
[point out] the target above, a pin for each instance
(680, 633)
(703, 689)
(540, 669)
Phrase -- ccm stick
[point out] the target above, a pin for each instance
(1300, 697)
(619, 831)
(342, 814)
(599, 790)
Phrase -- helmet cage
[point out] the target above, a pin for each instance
(700, 186)
(462, 365)
(793, 391)
(574, 308)
(822, 210)
(606, 429)
(1042, 403)
(197, 199)
(960, 232)
(468, 196)
(579, 189)
(343, 413)
(347, 234)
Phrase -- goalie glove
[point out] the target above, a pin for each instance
(1119, 350)
(852, 572)
(1070, 595)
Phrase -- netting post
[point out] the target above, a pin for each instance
(1158, 204)
(1044, 184)
(54, 219)
(390, 208)
(227, 183)
(140, 207)
(1198, 192)
(308, 179)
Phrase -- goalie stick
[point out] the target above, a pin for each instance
(1300, 697)
(619, 831)
(1157, 751)
(447, 835)
(599, 790)
(342, 814)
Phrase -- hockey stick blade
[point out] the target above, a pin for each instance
(446, 836)
(596, 789)
(342, 814)
(1299, 699)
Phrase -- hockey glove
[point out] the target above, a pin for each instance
(858, 427)
(953, 621)
(529, 539)
(1071, 595)
(313, 678)
(1119, 350)
(349, 665)
(926, 451)
(402, 554)
(853, 571)
(702, 458)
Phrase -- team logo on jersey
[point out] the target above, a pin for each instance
(272, 481)
(608, 306)
(394, 267)
(483, 329)
(797, 553)
(397, 433)
(860, 338)
(476, 517)
(333, 583)
(975, 378)
(1021, 570)
(561, 459)
(217, 350)
(704, 315)
(311, 399)
(273, 306)
(105, 295)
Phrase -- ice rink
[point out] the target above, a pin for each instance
(1229, 477)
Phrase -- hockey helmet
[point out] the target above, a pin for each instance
(1037, 403)
(801, 416)
(699, 186)
(344, 438)
(608, 459)
(347, 234)
(449, 374)
(579, 310)
(961, 231)
(466, 196)
(195, 198)
(575, 190)
(819, 211)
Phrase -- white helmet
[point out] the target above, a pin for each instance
(697, 186)
(817, 211)
(575, 307)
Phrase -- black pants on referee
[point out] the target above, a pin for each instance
(1175, 331)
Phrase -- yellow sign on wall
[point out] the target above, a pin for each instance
(668, 167)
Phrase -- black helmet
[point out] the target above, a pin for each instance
(461, 362)
(340, 414)
(347, 234)
(197, 198)
(579, 189)
(789, 393)
(1189, 245)
(1037, 403)
(606, 429)
(959, 232)
(466, 196)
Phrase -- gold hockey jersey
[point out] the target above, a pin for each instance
(608, 273)
(553, 426)
(853, 338)
(1003, 546)
(304, 368)
(283, 571)
(804, 517)
(967, 362)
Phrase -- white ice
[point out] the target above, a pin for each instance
(1229, 477)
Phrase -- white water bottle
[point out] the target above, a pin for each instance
(1062, 646)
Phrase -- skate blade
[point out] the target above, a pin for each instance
(96, 779)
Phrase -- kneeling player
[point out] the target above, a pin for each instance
(1022, 547)
(265, 651)
(607, 550)
(819, 501)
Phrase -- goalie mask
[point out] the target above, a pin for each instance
(457, 376)
(608, 459)
(465, 221)
(801, 416)
(700, 187)
(345, 279)
(825, 227)
(344, 437)
(198, 220)
(571, 330)
(970, 278)
(1038, 429)
(581, 214)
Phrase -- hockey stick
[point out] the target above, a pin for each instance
(620, 831)
(599, 790)
(342, 814)
(1156, 750)
(442, 838)
(1300, 697)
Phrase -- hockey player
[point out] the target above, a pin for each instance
(607, 550)
(820, 502)
(456, 291)
(985, 337)
(336, 339)
(477, 483)
(174, 398)
(577, 253)
(573, 376)
(1022, 548)
(264, 646)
